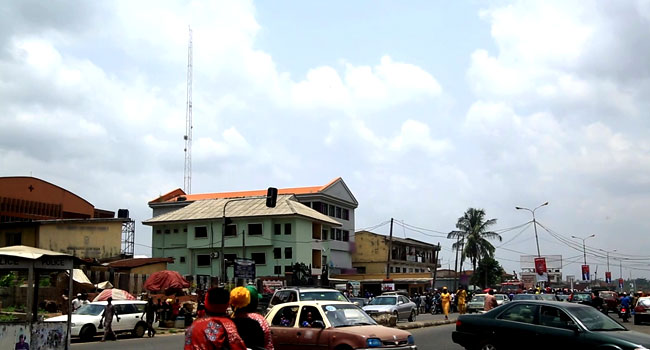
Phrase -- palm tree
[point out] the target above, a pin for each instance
(473, 236)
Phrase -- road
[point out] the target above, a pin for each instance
(438, 338)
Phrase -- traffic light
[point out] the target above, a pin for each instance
(271, 197)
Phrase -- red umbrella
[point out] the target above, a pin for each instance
(116, 294)
(165, 281)
(487, 290)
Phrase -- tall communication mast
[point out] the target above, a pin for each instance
(187, 184)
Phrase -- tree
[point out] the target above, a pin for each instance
(488, 273)
(473, 235)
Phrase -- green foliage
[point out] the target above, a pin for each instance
(488, 270)
(472, 236)
(8, 280)
(44, 282)
(7, 318)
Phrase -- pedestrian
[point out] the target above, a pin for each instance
(244, 302)
(176, 308)
(22, 344)
(150, 313)
(490, 301)
(216, 330)
(65, 302)
(417, 301)
(445, 300)
(159, 311)
(107, 319)
(461, 297)
(76, 302)
(168, 309)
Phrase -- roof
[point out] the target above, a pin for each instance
(210, 209)
(137, 262)
(174, 195)
(22, 251)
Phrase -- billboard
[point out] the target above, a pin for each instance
(540, 270)
(553, 262)
(585, 272)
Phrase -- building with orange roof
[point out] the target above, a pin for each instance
(314, 225)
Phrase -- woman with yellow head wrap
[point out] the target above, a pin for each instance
(252, 326)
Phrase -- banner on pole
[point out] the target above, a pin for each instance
(608, 277)
(585, 272)
(620, 283)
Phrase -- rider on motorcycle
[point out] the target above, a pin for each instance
(625, 304)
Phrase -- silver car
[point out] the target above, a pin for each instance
(398, 305)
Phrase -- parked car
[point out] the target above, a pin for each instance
(501, 299)
(360, 302)
(562, 297)
(476, 304)
(85, 320)
(395, 304)
(610, 301)
(331, 325)
(545, 325)
(292, 294)
(642, 310)
(527, 297)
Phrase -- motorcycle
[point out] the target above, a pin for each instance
(624, 313)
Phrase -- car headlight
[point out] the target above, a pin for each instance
(72, 325)
(410, 340)
(373, 342)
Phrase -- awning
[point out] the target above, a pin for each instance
(80, 277)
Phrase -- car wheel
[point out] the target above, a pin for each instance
(139, 330)
(87, 333)
(412, 317)
(396, 314)
(488, 346)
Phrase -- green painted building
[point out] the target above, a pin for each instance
(275, 238)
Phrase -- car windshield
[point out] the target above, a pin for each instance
(90, 309)
(548, 297)
(478, 298)
(346, 315)
(325, 295)
(595, 320)
(525, 297)
(607, 295)
(581, 297)
(383, 301)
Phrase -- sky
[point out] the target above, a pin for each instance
(425, 109)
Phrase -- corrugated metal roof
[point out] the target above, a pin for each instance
(210, 209)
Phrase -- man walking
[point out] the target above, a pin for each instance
(461, 297)
(490, 301)
(150, 312)
(107, 319)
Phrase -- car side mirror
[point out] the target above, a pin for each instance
(318, 324)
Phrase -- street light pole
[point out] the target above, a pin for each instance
(584, 249)
(534, 224)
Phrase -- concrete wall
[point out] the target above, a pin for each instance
(28, 235)
(370, 248)
(89, 240)
(149, 269)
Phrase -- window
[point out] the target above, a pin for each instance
(158, 231)
(254, 229)
(403, 269)
(168, 231)
(230, 257)
(308, 204)
(231, 230)
(332, 210)
(362, 269)
(203, 260)
(285, 317)
(554, 317)
(339, 234)
(277, 269)
(346, 235)
(524, 313)
(288, 268)
(346, 214)
(259, 258)
(316, 206)
(277, 229)
(199, 232)
(182, 260)
(325, 208)
(391, 269)
(338, 212)
(175, 230)
(287, 229)
(411, 269)
(288, 253)
(325, 234)
(124, 309)
(277, 253)
(14, 238)
(185, 229)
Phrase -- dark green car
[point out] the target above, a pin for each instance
(545, 325)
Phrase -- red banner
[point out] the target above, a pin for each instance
(608, 277)
(585, 272)
(540, 266)
(620, 283)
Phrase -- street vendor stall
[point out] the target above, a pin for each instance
(27, 327)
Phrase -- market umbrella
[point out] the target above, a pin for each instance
(116, 294)
(166, 281)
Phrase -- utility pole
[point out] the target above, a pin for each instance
(534, 224)
(187, 178)
(456, 264)
(390, 250)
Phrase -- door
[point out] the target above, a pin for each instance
(403, 307)
(127, 313)
(516, 325)
(555, 328)
(284, 328)
(311, 337)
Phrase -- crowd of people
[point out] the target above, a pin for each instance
(442, 301)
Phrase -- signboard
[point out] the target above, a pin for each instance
(388, 287)
(620, 283)
(540, 270)
(54, 263)
(245, 268)
(585, 272)
(608, 277)
(10, 262)
(269, 287)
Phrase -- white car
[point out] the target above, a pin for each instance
(85, 320)
(395, 304)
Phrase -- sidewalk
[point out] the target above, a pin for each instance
(428, 320)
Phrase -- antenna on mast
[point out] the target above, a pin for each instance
(187, 183)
